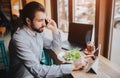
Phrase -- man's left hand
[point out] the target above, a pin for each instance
(52, 25)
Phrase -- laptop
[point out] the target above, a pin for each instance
(69, 46)
(78, 35)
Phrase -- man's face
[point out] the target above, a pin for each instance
(38, 22)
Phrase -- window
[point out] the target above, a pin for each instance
(72, 12)
(117, 9)
(84, 11)
(63, 15)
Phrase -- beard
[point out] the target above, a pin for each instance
(38, 30)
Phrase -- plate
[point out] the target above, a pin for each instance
(61, 55)
(69, 56)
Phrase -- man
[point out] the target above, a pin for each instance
(27, 44)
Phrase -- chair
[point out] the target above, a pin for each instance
(3, 58)
(2, 30)
(49, 57)
(46, 59)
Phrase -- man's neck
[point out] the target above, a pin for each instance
(31, 30)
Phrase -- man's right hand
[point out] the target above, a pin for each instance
(81, 62)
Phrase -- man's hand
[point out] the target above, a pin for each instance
(81, 62)
(52, 25)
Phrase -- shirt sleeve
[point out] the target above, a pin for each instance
(59, 71)
(33, 65)
(53, 43)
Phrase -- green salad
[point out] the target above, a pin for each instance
(72, 55)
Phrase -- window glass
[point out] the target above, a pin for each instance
(63, 15)
(84, 11)
(117, 9)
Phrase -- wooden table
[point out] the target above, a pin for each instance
(106, 69)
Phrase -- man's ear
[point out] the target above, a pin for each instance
(28, 21)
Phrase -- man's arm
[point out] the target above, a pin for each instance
(55, 43)
(32, 63)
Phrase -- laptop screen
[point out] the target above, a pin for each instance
(79, 34)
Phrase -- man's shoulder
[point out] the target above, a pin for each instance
(20, 34)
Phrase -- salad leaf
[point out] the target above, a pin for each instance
(72, 55)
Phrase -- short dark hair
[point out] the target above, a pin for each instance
(30, 9)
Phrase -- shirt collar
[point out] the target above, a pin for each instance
(30, 32)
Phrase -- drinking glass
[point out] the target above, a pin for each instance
(90, 47)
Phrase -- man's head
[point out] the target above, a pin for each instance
(33, 15)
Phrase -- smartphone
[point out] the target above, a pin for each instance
(46, 22)
(96, 53)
